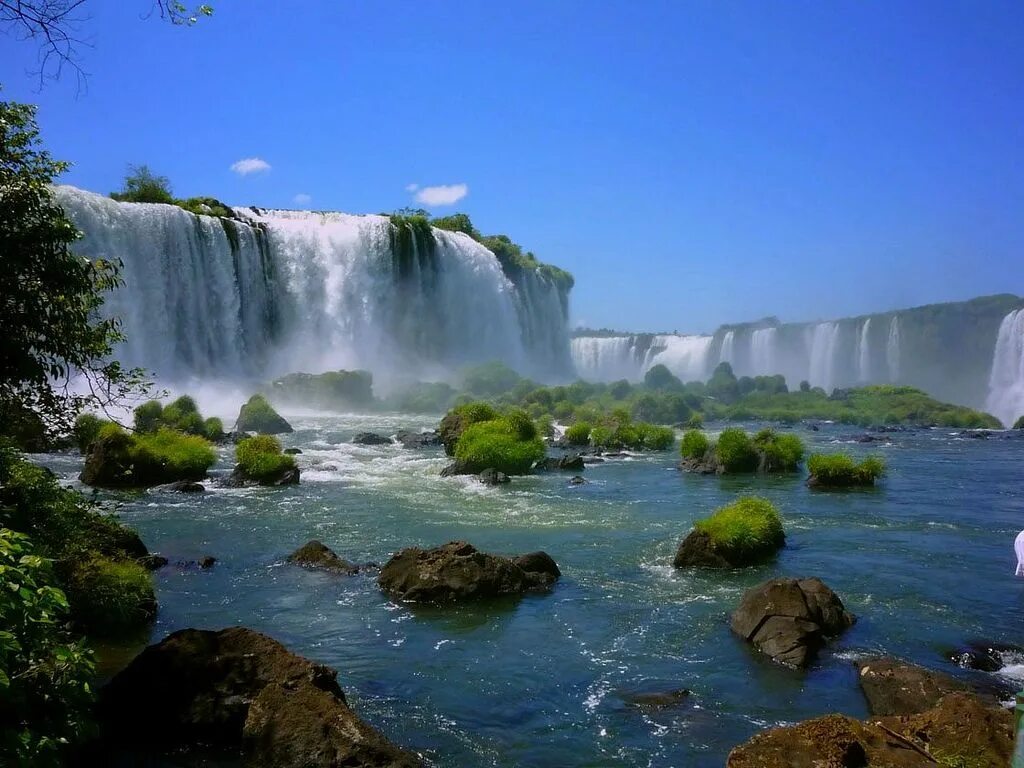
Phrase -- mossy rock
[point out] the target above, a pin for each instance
(746, 532)
(257, 415)
(117, 459)
(458, 419)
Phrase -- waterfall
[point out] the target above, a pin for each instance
(607, 358)
(1006, 381)
(278, 291)
(762, 352)
(725, 355)
(824, 338)
(864, 353)
(685, 356)
(892, 349)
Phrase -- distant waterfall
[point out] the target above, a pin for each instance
(762, 351)
(728, 343)
(610, 358)
(278, 291)
(864, 352)
(892, 349)
(685, 356)
(1006, 382)
(824, 337)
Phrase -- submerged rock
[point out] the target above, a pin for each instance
(184, 486)
(410, 439)
(457, 467)
(985, 656)
(291, 452)
(457, 571)
(570, 463)
(491, 476)
(153, 562)
(207, 561)
(653, 701)
(577, 480)
(314, 554)
(371, 438)
(238, 478)
(789, 619)
(893, 687)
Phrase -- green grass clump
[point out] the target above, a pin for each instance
(148, 416)
(654, 438)
(87, 428)
(736, 451)
(747, 531)
(578, 433)
(1019, 423)
(182, 415)
(188, 456)
(122, 460)
(260, 458)
(839, 470)
(779, 453)
(459, 418)
(257, 415)
(694, 444)
(108, 597)
(509, 444)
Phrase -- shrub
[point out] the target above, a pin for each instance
(260, 458)
(840, 470)
(122, 460)
(779, 453)
(87, 428)
(459, 418)
(490, 379)
(696, 421)
(108, 597)
(654, 438)
(44, 675)
(578, 433)
(186, 456)
(148, 416)
(502, 443)
(660, 377)
(601, 436)
(257, 415)
(694, 445)
(213, 429)
(1019, 423)
(545, 423)
(736, 451)
(747, 531)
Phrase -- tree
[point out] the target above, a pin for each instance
(56, 23)
(142, 186)
(49, 297)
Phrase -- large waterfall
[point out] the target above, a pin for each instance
(1006, 384)
(276, 291)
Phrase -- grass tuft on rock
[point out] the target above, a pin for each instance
(747, 531)
(839, 470)
(260, 458)
(258, 415)
(509, 444)
(694, 444)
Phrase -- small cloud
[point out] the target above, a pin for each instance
(250, 165)
(411, 187)
(302, 199)
(445, 194)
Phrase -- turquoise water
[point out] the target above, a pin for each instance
(925, 561)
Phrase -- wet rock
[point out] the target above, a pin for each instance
(975, 434)
(577, 480)
(865, 438)
(207, 561)
(789, 619)
(893, 687)
(706, 465)
(653, 701)
(457, 467)
(697, 550)
(314, 554)
(292, 451)
(541, 564)
(570, 463)
(153, 562)
(457, 572)
(491, 476)
(593, 460)
(371, 438)
(415, 440)
(302, 726)
(238, 478)
(184, 486)
(257, 415)
(985, 656)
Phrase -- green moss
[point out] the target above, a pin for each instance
(260, 458)
(839, 470)
(110, 597)
(745, 532)
(779, 453)
(508, 444)
(459, 418)
(122, 460)
(257, 415)
(694, 445)
(736, 452)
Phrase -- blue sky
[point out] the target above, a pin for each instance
(692, 163)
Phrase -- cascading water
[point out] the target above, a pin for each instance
(610, 358)
(1006, 381)
(823, 340)
(278, 291)
(864, 352)
(892, 349)
(762, 351)
(725, 355)
(685, 356)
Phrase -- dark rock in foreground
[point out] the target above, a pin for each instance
(314, 554)
(371, 438)
(410, 439)
(698, 550)
(570, 463)
(184, 486)
(789, 619)
(491, 476)
(237, 688)
(238, 478)
(457, 467)
(153, 562)
(650, 702)
(893, 687)
(457, 572)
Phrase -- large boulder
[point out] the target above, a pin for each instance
(789, 619)
(314, 554)
(257, 415)
(371, 438)
(457, 572)
(239, 479)
(302, 726)
(572, 462)
(457, 467)
(698, 550)
(410, 439)
(112, 461)
(893, 687)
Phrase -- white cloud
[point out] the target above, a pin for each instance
(250, 165)
(445, 194)
(411, 187)
(302, 199)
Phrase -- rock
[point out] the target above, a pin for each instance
(207, 561)
(865, 438)
(893, 687)
(195, 686)
(985, 656)
(291, 452)
(789, 619)
(257, 415)
(238, 478)
(457, 467)
(314, 554)
(698, 550)
(593, 460)
(648, 702)
(456, 572)
(570, 463)
(153, 562)
(410, 439)
(706, 465)
(184, 486)
(577, 480)
(112, 462)
(491, 476)
(302, 726)
(371, 438)
(976, 434)
(540, 563)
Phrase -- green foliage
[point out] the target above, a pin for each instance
(654, 438)
(87, 428)
(736, 452)
(141, 185)
(1019, 423)
(779, 453)
(50, 312)
(206, 206)
(123, 460)
(412, 243)
(333, 391)
(45, 695)
(694, 444)
(459, 418)
(148, 416)
(661, 407)
(578, 433)
(508, 444)
(696, 421)
(260, 458)
(110, 597)
(457, 222)
(182, 415)
(257, 415)
(490, 379)
(840, 470)
(745, 532)
(620, 390)
(660, 377)
(423, 397)
(545, 424)
(188, 456)
(722, 385)
(213, 429)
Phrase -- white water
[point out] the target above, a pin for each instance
(1006, 382)
(892, 349)
(762, 351)
(823, 340)
(685, 356)
(311, 292)
(610, 358)
(728, 342)
(864, 352)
